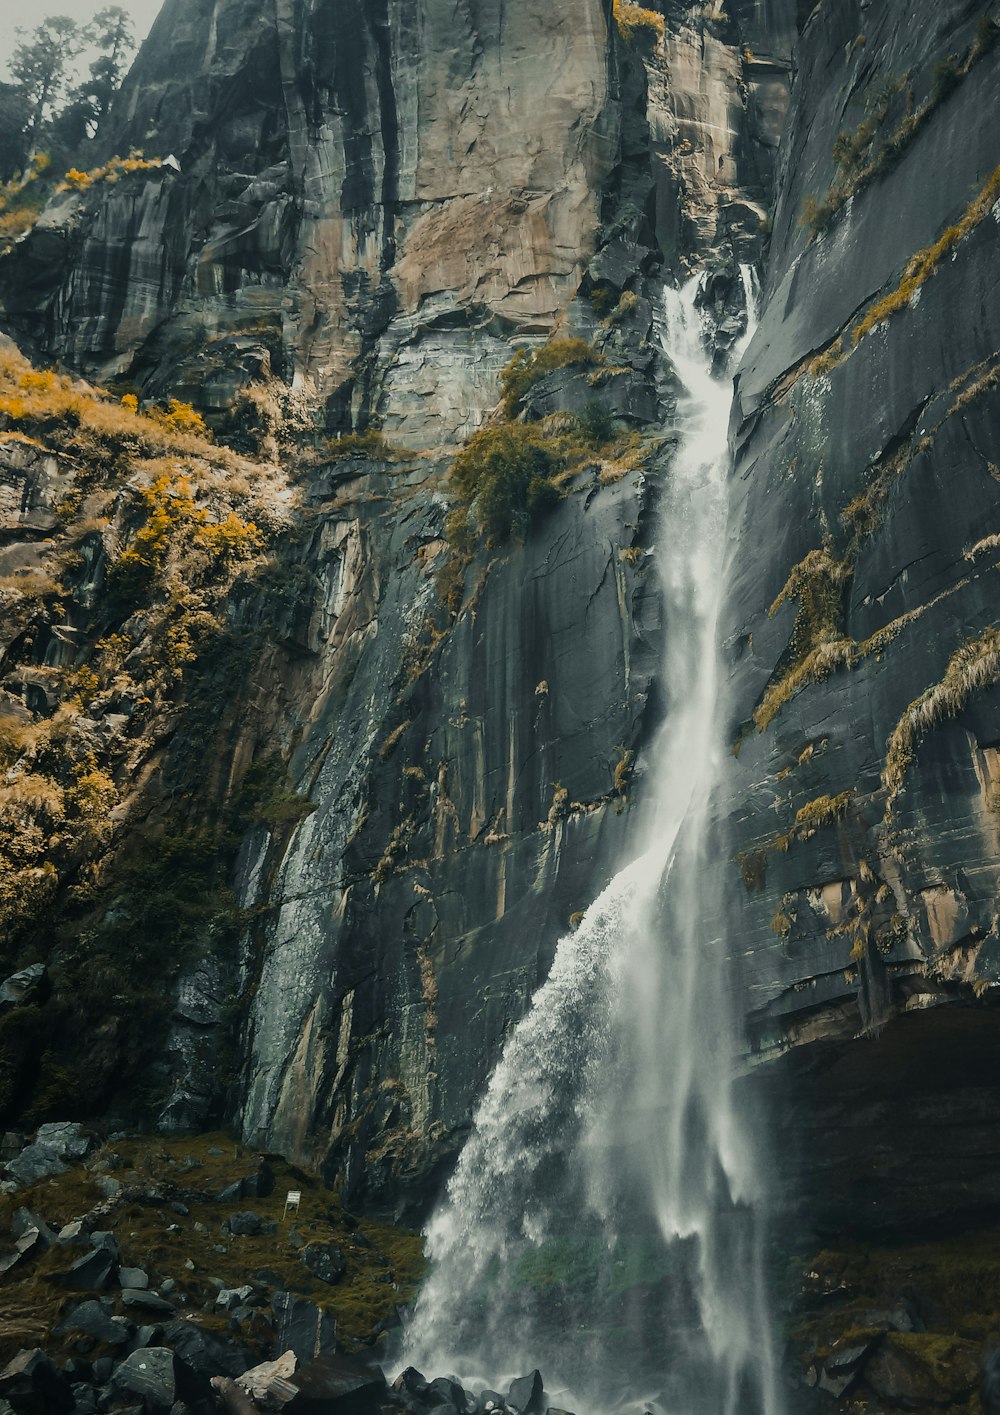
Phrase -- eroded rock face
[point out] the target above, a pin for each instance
(863, 597)
(347, 178)
(363, 210)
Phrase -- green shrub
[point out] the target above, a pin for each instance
(529, 366)
(596, 423)
(504, 474)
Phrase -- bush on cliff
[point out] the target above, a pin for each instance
(504, 474)
(528, 366)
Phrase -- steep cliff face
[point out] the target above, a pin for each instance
(360, 214)
(357, 193)
(859, 805)
(861, 627)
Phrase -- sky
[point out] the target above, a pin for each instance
(28, 13)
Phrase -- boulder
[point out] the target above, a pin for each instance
(336, 1385)
(91, 1273)
(204, 1352)
(73, 1234)
(29, 1242)
(149, 1373)
(230, 1297)
(526, 1394)
(103, 1238)
(35, 1162)
(257, 1185)
(160, 1377)
(96, 1318)
(245, 1223)
(141, 1301)
(133, 1277)
(28, 985)
(301, 1326)
(24, 1219)
(65, 1138)
(843, 1366)
(449, 1392)
(916, 1369)
(32, 1385)
(269, 1381)
(324, 1261)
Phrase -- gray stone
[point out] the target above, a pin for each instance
(526, 1394)
(96, 1318)
(324, 1261)
(32, 1385)
(91, 1273)
(301, 1326)
(35, 1162)
(140, 1301)
(65, 1138)
(133, 1277)
(246, 1223)
(73, 1234)
(25, 986)
(149, 1373)
(336, 1385)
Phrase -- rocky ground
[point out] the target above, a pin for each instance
(145, 1276)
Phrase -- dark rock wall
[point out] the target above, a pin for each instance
(365, 207)
(866, 457)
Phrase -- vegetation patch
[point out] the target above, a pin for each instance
(858, 154)
(817, 645)
(972, 667)
(120, 807)
(813, 816)
(637, 25)
(923, 264)
(383, 1263)
(529, 366)
(504, 475)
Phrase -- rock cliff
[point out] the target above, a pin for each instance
(361, 213)
(358, 217)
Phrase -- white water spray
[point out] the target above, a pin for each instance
(604, 1221)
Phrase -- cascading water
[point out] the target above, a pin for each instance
(605, 1219)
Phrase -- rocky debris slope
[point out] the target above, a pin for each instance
(120, 1245)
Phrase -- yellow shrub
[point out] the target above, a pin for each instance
(636, 23)
(180, 417)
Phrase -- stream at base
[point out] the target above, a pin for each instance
(606, 1219)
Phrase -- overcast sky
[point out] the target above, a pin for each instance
(28, 13)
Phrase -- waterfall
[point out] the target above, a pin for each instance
(605, 1220)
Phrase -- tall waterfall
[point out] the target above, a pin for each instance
(605, 1219)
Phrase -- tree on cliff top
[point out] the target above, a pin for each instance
(47, 112)
(39, 68)
(112, 34)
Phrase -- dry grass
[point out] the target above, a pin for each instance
(38, 402)
(828, 360)
(859, 157)
(813, 816)
(971, 668)
(817, 646)
(923, 264)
